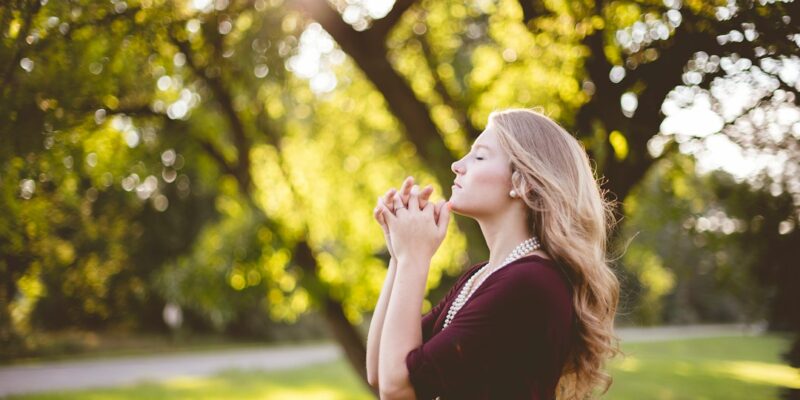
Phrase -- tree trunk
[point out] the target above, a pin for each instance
(368, 51)
(353, 344)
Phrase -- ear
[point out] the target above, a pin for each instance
(517, 181)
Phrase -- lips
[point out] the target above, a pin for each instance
(456, 185)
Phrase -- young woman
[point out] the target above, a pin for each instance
(536, 320)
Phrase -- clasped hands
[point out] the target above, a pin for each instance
(413, 226)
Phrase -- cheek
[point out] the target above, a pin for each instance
(489, 184)
(491, 179)
(486, 189)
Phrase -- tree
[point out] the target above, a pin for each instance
(188, 105)
(634, 55)
(276, 157)
(641, 49)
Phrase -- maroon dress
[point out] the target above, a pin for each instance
(509, 341)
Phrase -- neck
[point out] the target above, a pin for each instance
(503, 234)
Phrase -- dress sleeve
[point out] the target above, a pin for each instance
(430, 318)
(493, 322)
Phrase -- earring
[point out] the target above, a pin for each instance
(512, 193)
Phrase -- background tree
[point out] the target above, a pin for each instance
(153, 150)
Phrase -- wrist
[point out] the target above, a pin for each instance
(414, 255)
(414, 261)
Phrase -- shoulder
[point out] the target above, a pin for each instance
(532, 276)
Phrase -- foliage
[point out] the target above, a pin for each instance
(225, 155)
(133, 157)
(684, 274)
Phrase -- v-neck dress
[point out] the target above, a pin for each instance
(509, 341)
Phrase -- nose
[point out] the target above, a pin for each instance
(454, 167)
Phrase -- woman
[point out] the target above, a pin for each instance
(535, 321)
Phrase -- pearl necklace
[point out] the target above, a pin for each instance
(527, 246)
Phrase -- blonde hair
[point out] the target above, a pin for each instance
(571, 216)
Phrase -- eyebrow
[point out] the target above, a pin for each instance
(482, 145)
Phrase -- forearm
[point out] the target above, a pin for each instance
(401, 328)
(376, 324)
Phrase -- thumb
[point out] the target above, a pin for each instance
(437, 210)
(444, 217)
(388, 216)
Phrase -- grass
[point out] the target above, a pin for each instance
(708, 368)
(329, 381)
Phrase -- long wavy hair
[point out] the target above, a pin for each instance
(572, 217)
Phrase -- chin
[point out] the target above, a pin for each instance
(453, 205)
(455, 208)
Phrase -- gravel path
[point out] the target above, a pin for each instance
(66, 375)
(657, 333)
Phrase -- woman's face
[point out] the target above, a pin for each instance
(483, 177)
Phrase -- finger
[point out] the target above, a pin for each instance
(381, 219)
(437, 210)
(389, 206)
(398, 204)
(405, 187)
(413, 200)
(424, 195)
(387, 215)
(405, 190)
(428, 210)
(388, 199)
(376, 212)
(444, 217)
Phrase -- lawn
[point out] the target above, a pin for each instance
(708, 368)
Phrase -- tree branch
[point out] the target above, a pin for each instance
(458, 108)
(143, 110)
(18, 44)
(212, 151)
(369, 53)
(532, 9)
(383, 26)
(225, 101)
